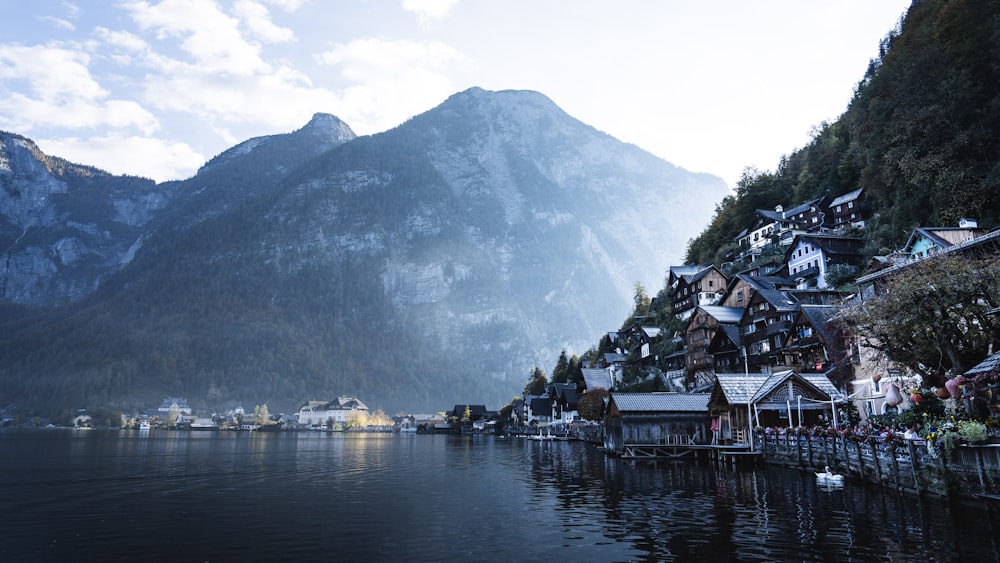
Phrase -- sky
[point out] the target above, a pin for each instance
(157, 88)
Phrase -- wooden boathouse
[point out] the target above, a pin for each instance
(656, 425)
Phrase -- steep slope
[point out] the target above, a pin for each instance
(921, 136)
(65, 227)
(426, 266)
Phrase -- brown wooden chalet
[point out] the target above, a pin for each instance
(642, 424)
(848, 211)
(779, 226)
(764, 327)
(699, 331)
(743, 286)
(742, 401)
(691, 286)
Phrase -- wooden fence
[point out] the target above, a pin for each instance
(967, 471)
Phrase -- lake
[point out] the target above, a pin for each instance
(219, 496)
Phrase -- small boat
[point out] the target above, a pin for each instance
(144, 425)
(829, 477)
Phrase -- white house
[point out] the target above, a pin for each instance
(333, 413)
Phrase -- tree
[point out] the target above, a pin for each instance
(536, 385)
(591, 404)
(933, 316)
(561, 372)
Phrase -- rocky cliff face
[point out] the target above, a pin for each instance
(64, 227)
(433, 264)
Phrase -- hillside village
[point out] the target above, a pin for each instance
(766, 346)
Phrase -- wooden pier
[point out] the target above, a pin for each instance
(683, 446)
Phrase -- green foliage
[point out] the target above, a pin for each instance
(591, 404)
(933, 316)
(536, 384)
(560, 374)
(921, 135)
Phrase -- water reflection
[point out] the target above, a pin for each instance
(220, 495)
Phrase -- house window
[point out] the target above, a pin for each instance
(838, 208)
(739, 296)
(850, 205)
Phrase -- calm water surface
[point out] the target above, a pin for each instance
(214, 496)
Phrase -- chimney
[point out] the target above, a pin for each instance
(967, 223)
(780, 209)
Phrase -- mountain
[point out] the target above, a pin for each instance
(426, 266)
(64, 227)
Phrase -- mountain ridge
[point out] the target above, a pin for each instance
(428, 265)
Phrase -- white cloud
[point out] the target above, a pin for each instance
(123, 39)
(61, 93)
(53, 73)
(158, 159)
(258, 21)
(58, 22)
(210, 37)
(392, 80)
(427, 10)
(287, 5)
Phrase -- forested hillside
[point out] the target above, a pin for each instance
(921, 136)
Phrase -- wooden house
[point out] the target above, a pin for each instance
(741, 401)
(699, 330)
(810, 256)
(641, 419)
(692, 286)
(848, 210)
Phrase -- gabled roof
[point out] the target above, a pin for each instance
(686, 271)
(661, 402)
(804, 207)
(819, 317)
(740, 388)
(765, 282)
(829, 244)
(596, 378)
(729, 332)
(539, 404)
(614, 357)
(782, 301)
(725, 315)
(849, 196)
(651, 331)
(991, 363)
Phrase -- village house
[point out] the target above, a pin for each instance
(810, 257)
(635, 419)
(176, 405)
(563, 398)
(537, 410)
(331, 414)
(693, 286)
(741, 401)
(848, 211)
(699, 331)
(764, 327)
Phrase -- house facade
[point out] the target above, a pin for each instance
(699, 331)
(742, 401)
(694, 286)
(654, 418)
(810, 257)
(848, 211)
(330, 413)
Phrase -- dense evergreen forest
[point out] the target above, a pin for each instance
(921, 136)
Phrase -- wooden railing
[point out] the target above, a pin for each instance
(967, 470)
